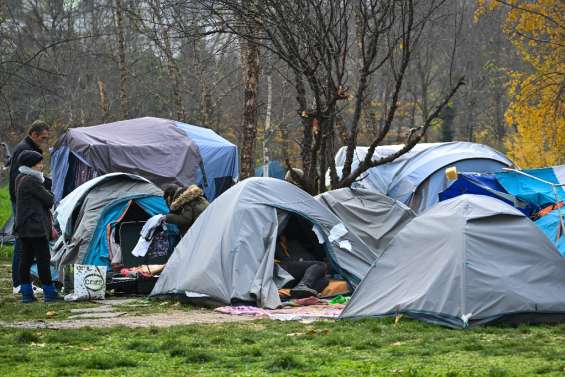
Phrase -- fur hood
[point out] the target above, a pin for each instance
(188, 195)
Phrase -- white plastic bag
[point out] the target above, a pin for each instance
(89, 283)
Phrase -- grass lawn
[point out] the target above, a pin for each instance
(267, 348)
(344, 348)
(5, 205)
(5, 213)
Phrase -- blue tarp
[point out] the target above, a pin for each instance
(531, 190)
(483, 184)
(219, 157)
(550, 224)
(276, 170)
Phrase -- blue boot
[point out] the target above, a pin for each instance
(27, 293)
(50, 293)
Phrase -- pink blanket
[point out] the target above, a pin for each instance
(286, 314)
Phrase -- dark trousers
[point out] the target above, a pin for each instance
(17, 255)
(38, 249)
(310, 273)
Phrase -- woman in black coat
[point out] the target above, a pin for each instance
(33, 225)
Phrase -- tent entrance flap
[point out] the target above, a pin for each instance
(302, 238)
(134, 212)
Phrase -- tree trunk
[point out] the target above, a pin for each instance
(267, 132)
(122, 65)
(172, 67)
(104, 105)
(250, 65)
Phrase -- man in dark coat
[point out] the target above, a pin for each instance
(38, 135)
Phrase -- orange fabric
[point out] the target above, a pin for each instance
(550, 208)
(336, 287)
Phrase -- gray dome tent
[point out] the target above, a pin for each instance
(86, 214)
(373, 217)
(468, 261)
(228, 254)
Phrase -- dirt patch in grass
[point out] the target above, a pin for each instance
(173, 318)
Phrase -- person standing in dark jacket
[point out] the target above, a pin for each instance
(37, 136)
(33, 225)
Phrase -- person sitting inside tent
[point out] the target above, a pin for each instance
(185, 204)
(309, 273)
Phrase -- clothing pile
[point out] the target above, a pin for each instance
(150, 229)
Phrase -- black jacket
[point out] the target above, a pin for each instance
(188, 204)
(33, 203)
(25, 145)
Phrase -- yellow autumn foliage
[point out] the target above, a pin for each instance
(536, 112)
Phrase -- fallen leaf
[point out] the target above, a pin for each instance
(51, 313)
(396, 344)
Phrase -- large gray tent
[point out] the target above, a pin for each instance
(373, 217)
(228, 254)
(467, 261)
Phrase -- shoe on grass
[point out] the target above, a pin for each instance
(36, 290)
(27, 294)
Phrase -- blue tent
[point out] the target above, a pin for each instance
(88, 216)
(161, 150)
(552, 226)
(417, 177)
(276, 170)
(483, 184)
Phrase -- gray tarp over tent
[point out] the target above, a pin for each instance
(469, 260)
(143, 146)
(228, 254)
(373, 217)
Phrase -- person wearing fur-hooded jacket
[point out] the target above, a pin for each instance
(186, 204)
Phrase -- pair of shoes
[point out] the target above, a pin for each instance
(302, 291)
(50, 293)
(27, 293)
(35, 288)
